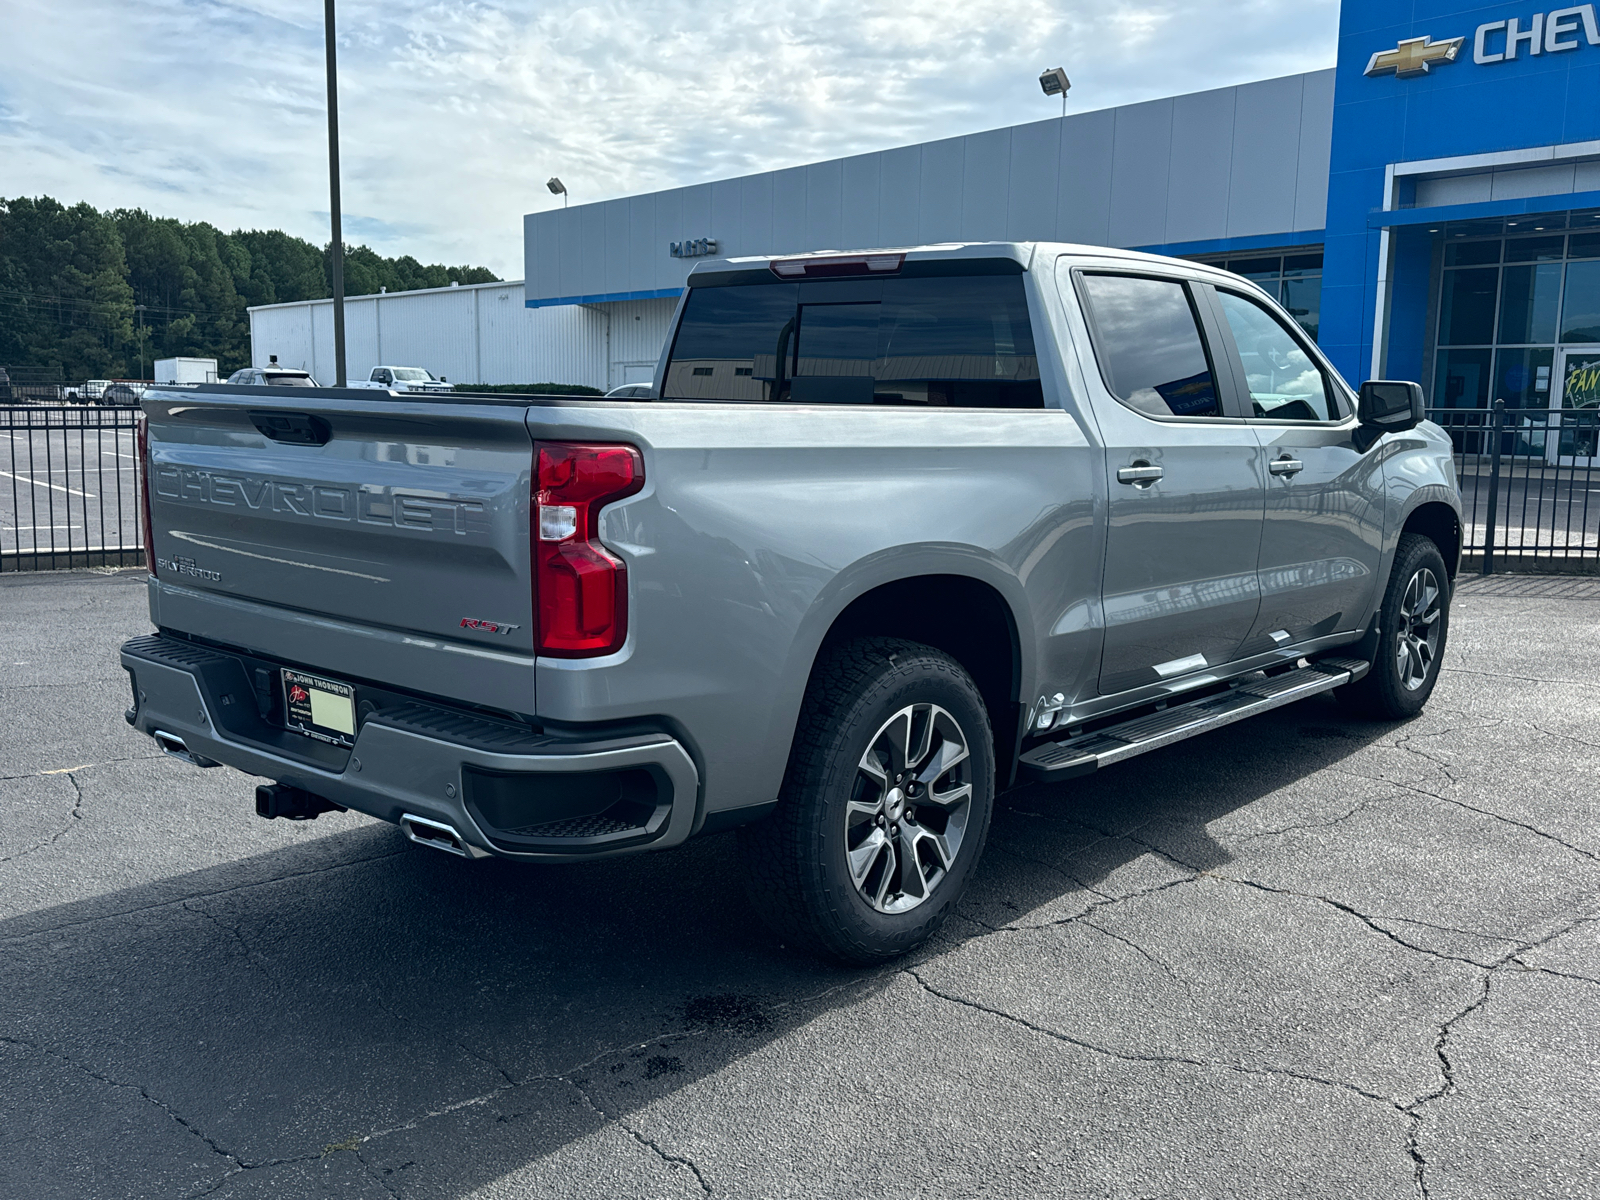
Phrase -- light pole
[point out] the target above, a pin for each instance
(333, 197)
(1054, 82)
(138, 310)
(558, 188)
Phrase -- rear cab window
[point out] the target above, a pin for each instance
(1148, 342)
(951, 341)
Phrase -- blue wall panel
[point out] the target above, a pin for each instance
(1265, 165)
(1316, 145)
(668, 229)
(615, 249)
(859, 220)
(940, 217)
(985, 185)
(1140, 161)
(1085, 189)
(755, 229)
(1200, 165)
(788, 211)
(824, 205)
(901, 196)
(1034, 174)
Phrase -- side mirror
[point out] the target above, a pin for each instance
(1390, 406)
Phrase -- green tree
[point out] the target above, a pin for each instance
(70, 278)
(66, 307)
(282, 268)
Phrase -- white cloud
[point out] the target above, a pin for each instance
(454, 112)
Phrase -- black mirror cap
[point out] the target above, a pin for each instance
(1391, 405)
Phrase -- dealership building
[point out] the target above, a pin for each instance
(1428, 209)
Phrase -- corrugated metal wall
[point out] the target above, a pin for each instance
(479, 334)
(1242, 161)
(638, 332)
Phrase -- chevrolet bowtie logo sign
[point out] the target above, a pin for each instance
(1414, 56)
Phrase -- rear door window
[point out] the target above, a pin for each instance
(1148, 342)
(963, 342)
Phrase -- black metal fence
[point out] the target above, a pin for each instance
(1530, 486)
(69, 487)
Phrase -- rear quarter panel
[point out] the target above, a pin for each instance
(759, 525)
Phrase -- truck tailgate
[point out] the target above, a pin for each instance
(406, 517)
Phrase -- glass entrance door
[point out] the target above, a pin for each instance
(1577, 392)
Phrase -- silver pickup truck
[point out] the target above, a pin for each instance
(901, 529)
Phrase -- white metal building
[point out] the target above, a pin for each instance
(481, 333)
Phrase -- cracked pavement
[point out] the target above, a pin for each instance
(1306, 955)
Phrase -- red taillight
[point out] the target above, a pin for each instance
(580, 589)
(142, 438)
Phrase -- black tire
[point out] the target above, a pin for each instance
(1411, 644)
(803, 863)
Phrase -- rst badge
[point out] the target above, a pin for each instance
(482, 626)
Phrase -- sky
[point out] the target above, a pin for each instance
(453, 113)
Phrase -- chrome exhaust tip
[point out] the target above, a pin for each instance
(426, 832)
(173, 745)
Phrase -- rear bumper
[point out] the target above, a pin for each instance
(505, 789)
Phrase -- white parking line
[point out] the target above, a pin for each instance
(45, 483)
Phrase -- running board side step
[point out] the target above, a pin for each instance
(1254, 694)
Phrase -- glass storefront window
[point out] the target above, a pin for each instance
(1535, 249)
(1580, 309)
(1513, 292)
(1522, 380)
(1467, 307)
(1528, 299)
(1471, 254)
(1461, 379)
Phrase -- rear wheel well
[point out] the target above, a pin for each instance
(966, 618)
(1438, 523)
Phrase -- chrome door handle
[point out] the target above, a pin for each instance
(1140, 474)
(1285, 466)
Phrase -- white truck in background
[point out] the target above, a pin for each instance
(185, 370)
(402, 379)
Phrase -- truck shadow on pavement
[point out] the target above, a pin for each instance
(359, 1007)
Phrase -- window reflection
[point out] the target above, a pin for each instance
(1149, 346)
(1580, 310)
(1285, 385)
(954, 341)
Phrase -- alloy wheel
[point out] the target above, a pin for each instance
(909, 808)
(1417, 639)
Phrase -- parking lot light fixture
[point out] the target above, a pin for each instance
(1055, 83)
(557, 188)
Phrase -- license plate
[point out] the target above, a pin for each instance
(324, 709)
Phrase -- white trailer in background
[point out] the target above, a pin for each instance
(185, 370)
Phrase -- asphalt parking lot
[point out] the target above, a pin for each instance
(1303, 956)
